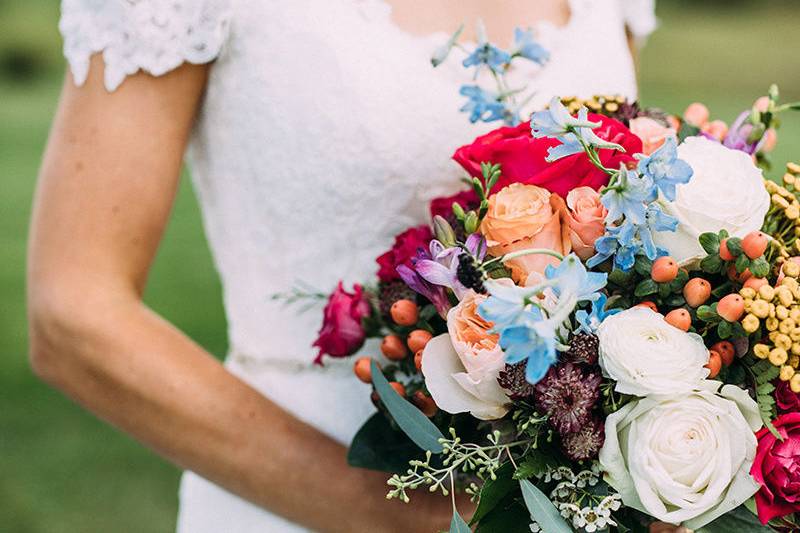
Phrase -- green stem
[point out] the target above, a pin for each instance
(531, 251)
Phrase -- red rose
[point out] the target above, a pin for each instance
(405, 248)
(444, 206)
(522, 157)
(342, 332)
(788, 401)
(777, 469)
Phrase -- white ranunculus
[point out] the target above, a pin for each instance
(646, 355)
(461, 367)
(726, 192)
(683, 458)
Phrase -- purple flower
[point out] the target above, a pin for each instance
(585, 443)
(440, 266)
(568, 394)
(738, 137)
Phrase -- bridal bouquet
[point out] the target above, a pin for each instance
(601, 332)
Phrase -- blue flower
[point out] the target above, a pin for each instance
(486, 53)
(525, 45)
(627, 240)
(589, 322)
(482, 105)
(574, 280)
(534, 343)
(627, 197)
(665, 169)
(575, 133)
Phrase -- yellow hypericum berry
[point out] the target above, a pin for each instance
(771, 186)
(778, 356)
(792, 167)
(760, 308)
(794, 383)
(761, 351)
(786, 373)
(748, 293)
(780, 201)
(782, 341)
(794, 314)
(748, 305)
(750, 323)
(781, 312)
(791, 269)
(783, 191)
(772, 310)
(784, 295)
(795, 334)
(787, 326)
(796, 349)
(790, 282)
(771, 324)
(794, 360)
(792, 212)
(788, 179)
(766, 292)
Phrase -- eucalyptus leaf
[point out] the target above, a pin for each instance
(379, 446)
(740, 520)
(416, 425)
(494, 490)
(458, 525)
(542, 509)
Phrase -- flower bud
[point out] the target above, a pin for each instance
(471, 222)
(444, 232)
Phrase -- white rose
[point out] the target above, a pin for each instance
(461, 367)
(686, 458)
(726, 192)
(646, 355)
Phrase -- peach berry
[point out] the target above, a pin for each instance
(697, 114)
(755, 244)
(724, 253)
(714, 364)
(755, 283)
(393, 348)
(679, 318)
(418, 360)
(404, 312)
(664, 270)
(417, 339)
(648, 304)
(399, 388)
(697, 291)
(725, 350)
(362, 369)
(731, 307)
(735, 276)
(425, 403)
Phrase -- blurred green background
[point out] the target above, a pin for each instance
(63, 471)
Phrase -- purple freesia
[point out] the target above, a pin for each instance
(738, 137)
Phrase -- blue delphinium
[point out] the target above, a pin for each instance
(588, 322)
(574, 133)
(486, 53)
(665, 169)
(574, 281)
(482, 105)
(627, 240)
(525, 45)
(627, 195)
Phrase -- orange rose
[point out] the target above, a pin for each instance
(586, 220)
(526, 216)
(652, 133)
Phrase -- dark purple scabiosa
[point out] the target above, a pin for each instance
(512, 379)
(568, 394)
(585, 443)
(583, 348)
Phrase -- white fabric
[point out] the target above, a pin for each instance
(323, 131)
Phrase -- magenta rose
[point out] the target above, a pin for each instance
(777, 469)
(404, 249)
(342, 332)
(788, 401)
(522, 158)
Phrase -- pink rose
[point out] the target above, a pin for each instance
(777, 469)
(403, 251)
(586, 220)
(651, 132)
(788, 401)
(342, 332)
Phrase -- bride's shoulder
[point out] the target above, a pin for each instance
(639, 16)
(155, 36)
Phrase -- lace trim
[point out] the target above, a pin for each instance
(155, 36)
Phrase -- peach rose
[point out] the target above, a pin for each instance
(651, 132)
(586, 220)
(461, 367)
(526, 216)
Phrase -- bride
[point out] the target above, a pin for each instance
(309, 126)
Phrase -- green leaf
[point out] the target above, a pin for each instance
(643, 266)
(707, 313)
(740, 520)
(645, 287)
(379, 446)
(542, 509)
(711, 264)
(710, 243)
(664, 290)
(734, 245)
(494, 490)
(724, 329)
(458, 525)
(416, 425)
(676, 300)
(534, 464)
(742, 263)
(759, 267)
(510, 516)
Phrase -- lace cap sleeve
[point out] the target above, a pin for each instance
(640, 17)
(155, 36)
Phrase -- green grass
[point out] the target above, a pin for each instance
(63, 471)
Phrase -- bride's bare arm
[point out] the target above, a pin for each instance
(106, 188)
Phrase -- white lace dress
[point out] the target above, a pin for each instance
(322, 132)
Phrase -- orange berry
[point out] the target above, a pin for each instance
(755, 244)
(731, 307)
(393, 348)
(418, 339)
(404, 312)
(697, 291)
(714, 364)
(650, 305)
(735, 276)
(399, 388)
(664, 269)
(697, 114)
(679, 318)
(724, 253)
(726, 350)
(418, 360)
(424, 403)
(362, 369)
(755, 283)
